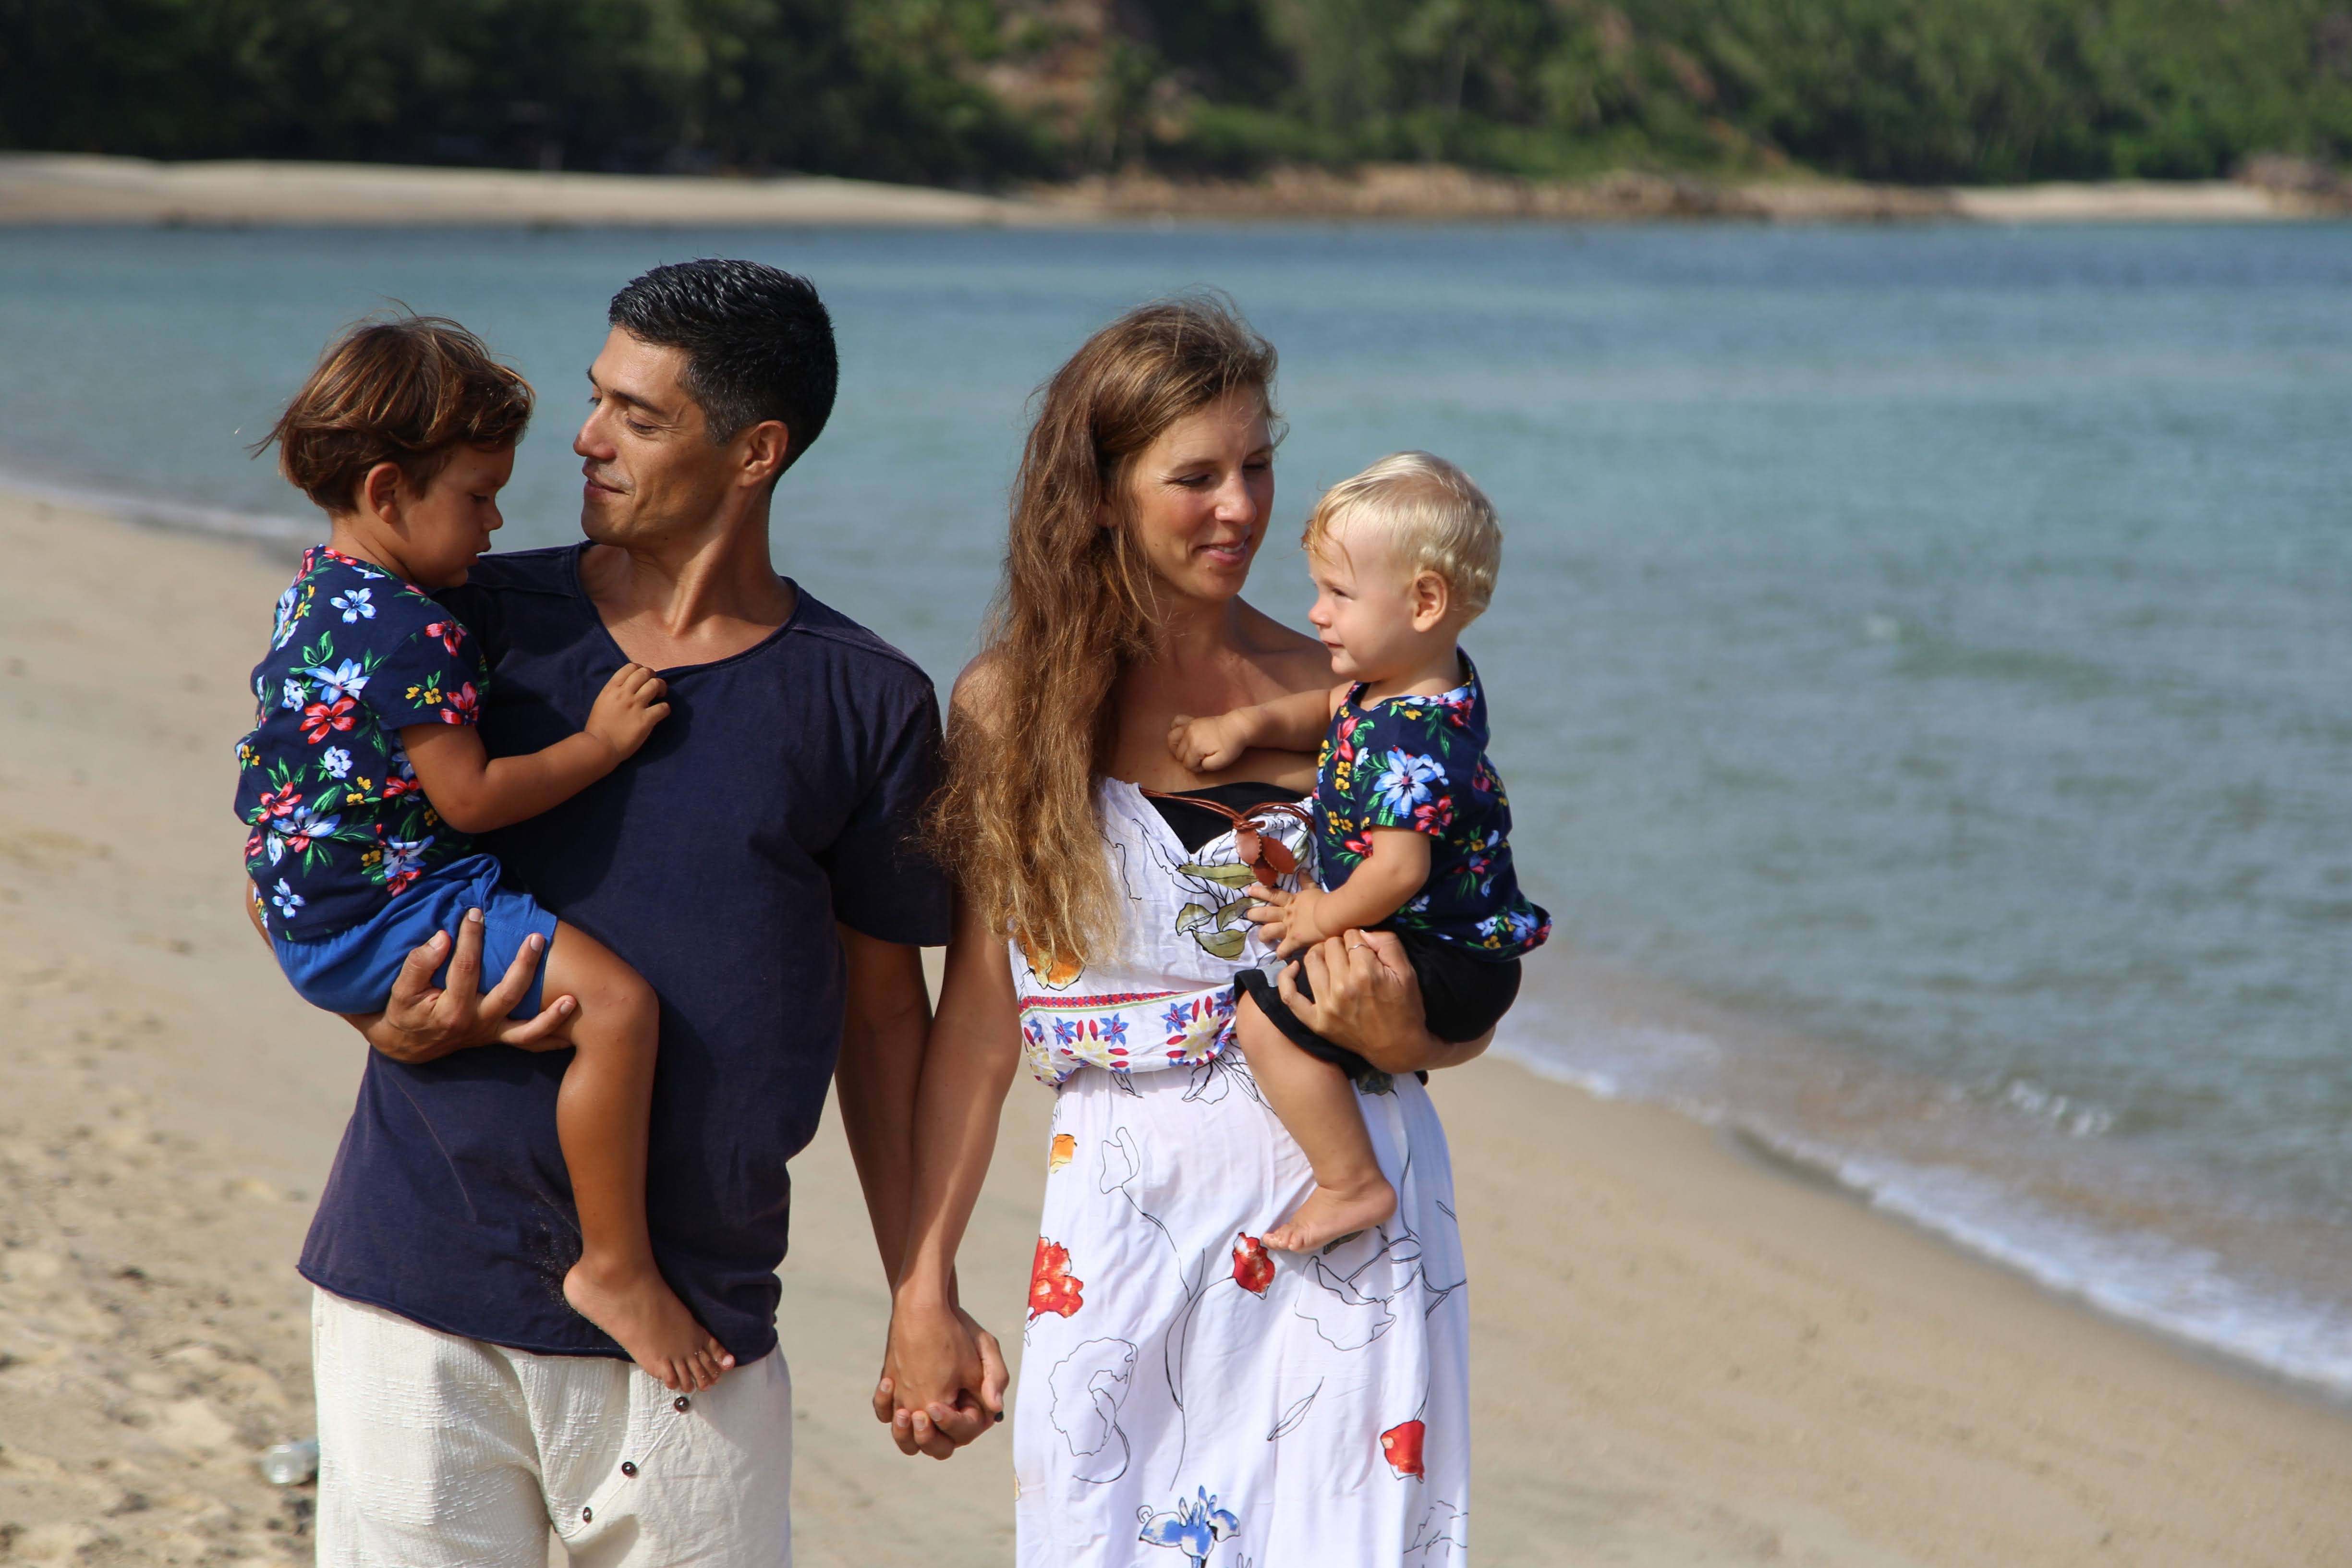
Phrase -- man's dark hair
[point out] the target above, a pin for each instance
(758, 343)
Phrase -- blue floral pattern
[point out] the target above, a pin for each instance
(1420, 762)
(338, 823)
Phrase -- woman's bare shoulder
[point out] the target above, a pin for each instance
(1291, 658)
(983, 690)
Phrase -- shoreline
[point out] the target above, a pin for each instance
(66, 188)
(1565, 1033)
(1681, 1353)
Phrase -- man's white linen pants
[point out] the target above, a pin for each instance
(437, 1451)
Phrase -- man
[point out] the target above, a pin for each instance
(751, 862)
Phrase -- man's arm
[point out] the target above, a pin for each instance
(942, 1379)
(884, 1023)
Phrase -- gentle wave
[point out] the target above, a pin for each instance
(2181, 1289)
(261, 527)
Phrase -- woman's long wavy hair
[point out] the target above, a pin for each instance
(1015, 820)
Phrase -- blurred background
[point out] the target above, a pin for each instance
(989, 92)
(1920, 665)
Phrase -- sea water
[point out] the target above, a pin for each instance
(1920, 666)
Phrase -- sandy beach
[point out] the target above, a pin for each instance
(85, 188)
(1683, 1354)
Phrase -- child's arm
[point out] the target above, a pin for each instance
(475, 792)
(1392, 871)
(1292, 723)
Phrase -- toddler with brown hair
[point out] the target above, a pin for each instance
(364, 779)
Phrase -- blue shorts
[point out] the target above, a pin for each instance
(352, 969)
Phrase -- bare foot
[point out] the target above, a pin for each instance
(1330, 1213)
(637, 1308)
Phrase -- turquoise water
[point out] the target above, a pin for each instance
(1928, 644)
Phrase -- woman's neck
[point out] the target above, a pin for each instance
(1187, 631)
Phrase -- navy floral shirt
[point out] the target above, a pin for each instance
(339, 826)
(1420, 762)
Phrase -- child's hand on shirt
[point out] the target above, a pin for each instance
(1210, 745)
(1290, 923)
(628, 708)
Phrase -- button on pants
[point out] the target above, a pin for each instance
(437, 1451)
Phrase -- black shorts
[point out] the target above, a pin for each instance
(1463, 995)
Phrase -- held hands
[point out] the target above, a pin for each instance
(937, 1356)
(1213, 744)
(627, 709)
(1290, 923)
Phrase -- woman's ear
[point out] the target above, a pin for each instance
(1432, 598)
(380, 495)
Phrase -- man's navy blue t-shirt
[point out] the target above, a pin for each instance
(778, 797)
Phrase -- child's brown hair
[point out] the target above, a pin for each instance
(406, 389)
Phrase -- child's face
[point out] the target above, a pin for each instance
(451, 523)
(1371, 610)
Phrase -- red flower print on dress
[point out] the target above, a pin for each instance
(1252, 1269)
(1401, 1445)
(450, 633)
(279, 802)
(320, 720)
(465, 704)
(1052, 1288)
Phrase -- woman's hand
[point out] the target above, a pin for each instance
(937, 1355)
(1368, 1000)
(422, 1022)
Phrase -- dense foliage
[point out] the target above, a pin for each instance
(981, 91)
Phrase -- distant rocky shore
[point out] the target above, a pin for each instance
(2267, 188)
(65, 188)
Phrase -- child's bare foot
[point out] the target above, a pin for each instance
(636, 1307)
(1330, 1213)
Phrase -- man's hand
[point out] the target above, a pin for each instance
(1213, 744)
(628, 708)
(422, 1022)
(937, 1356)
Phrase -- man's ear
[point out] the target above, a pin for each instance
(1433, 597)
(380, 493)
(766, 447)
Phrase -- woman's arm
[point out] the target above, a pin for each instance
(1368, 1000)
(937, 1390)
(475, 792)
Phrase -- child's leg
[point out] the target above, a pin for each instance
(1317, 1106)
(600, 1117)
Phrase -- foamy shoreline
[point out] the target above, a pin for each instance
(1681, 1356)
(89, 188)
(2160, 1282)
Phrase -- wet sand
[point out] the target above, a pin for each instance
(1682, 1356)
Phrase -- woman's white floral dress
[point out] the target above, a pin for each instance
(1187, 1395)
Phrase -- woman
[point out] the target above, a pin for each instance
(1182, 1387)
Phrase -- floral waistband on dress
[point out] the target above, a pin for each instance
(1126, 1032)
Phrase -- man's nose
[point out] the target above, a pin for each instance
(589, 443)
